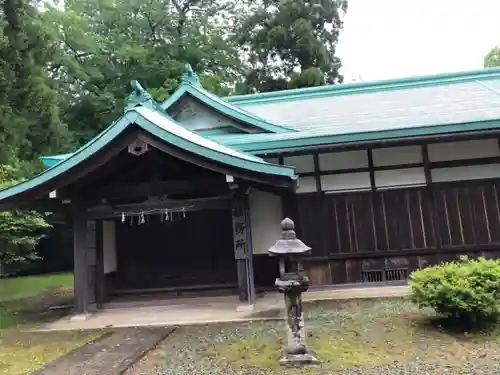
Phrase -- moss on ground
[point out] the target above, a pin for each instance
(24, 352)
(344, 335)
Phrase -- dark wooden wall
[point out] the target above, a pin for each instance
(192, 251)
(385, 235)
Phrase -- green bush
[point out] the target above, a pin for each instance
(466, 290)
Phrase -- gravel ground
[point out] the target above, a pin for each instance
(420, 368)
(355, 338)
(411, 368)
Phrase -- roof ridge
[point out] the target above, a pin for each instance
(360, 87)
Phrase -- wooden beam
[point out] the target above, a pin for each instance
(213, 203)
(317, 172)
(427, 167)
(214, 185)
(81, 268)
(371, 169)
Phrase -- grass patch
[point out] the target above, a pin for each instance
(344, 334)
(25, 300)
(33, 286)
(24, 303)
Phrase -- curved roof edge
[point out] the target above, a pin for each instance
(223, 107)
(362, 87)
(51, 160)
(166, 130)
(259, 144)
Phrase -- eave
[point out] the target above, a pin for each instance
(260, 145)
(161, 129)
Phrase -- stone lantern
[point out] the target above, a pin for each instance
(292, 283)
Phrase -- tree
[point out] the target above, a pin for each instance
(20, 230)
(291, 43)
(104, 44)
(30, 120)
(492, 58)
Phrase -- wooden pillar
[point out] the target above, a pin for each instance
(100, 287)
(81, 274)
(243, 248)
(249, 248)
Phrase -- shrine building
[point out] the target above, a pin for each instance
(185, 197)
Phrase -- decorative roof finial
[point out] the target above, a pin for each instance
(139, 96)
(189, 76)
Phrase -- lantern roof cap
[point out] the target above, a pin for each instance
(289, 244)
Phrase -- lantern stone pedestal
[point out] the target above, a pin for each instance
(296, 353)
(292, 283)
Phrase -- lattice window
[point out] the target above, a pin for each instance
(371, 276)
(375, 276)
(396, 274)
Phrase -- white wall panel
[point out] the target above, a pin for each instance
(302, 163)
(463, 150)
(400, 177)
(346, 182)
(266, 215)
(473, 172)
(397, 155)
(307, 185)
(343, 160)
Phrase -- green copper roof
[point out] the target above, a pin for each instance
(166, 130)
(415, 104)
(367, 111)
(365, 87)
(191, 86)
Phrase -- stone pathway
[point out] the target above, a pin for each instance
(110, 354)
(205, 310)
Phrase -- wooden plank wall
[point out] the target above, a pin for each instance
(404, 229)
(191, 251)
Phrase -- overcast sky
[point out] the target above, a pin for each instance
(397, 38)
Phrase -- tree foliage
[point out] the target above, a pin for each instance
(104, 44)
(65, 68)
(492, 58)
(30, 114)
(20, 230)
(291, 43)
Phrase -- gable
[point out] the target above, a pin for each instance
(198, 117)
(190, 91)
